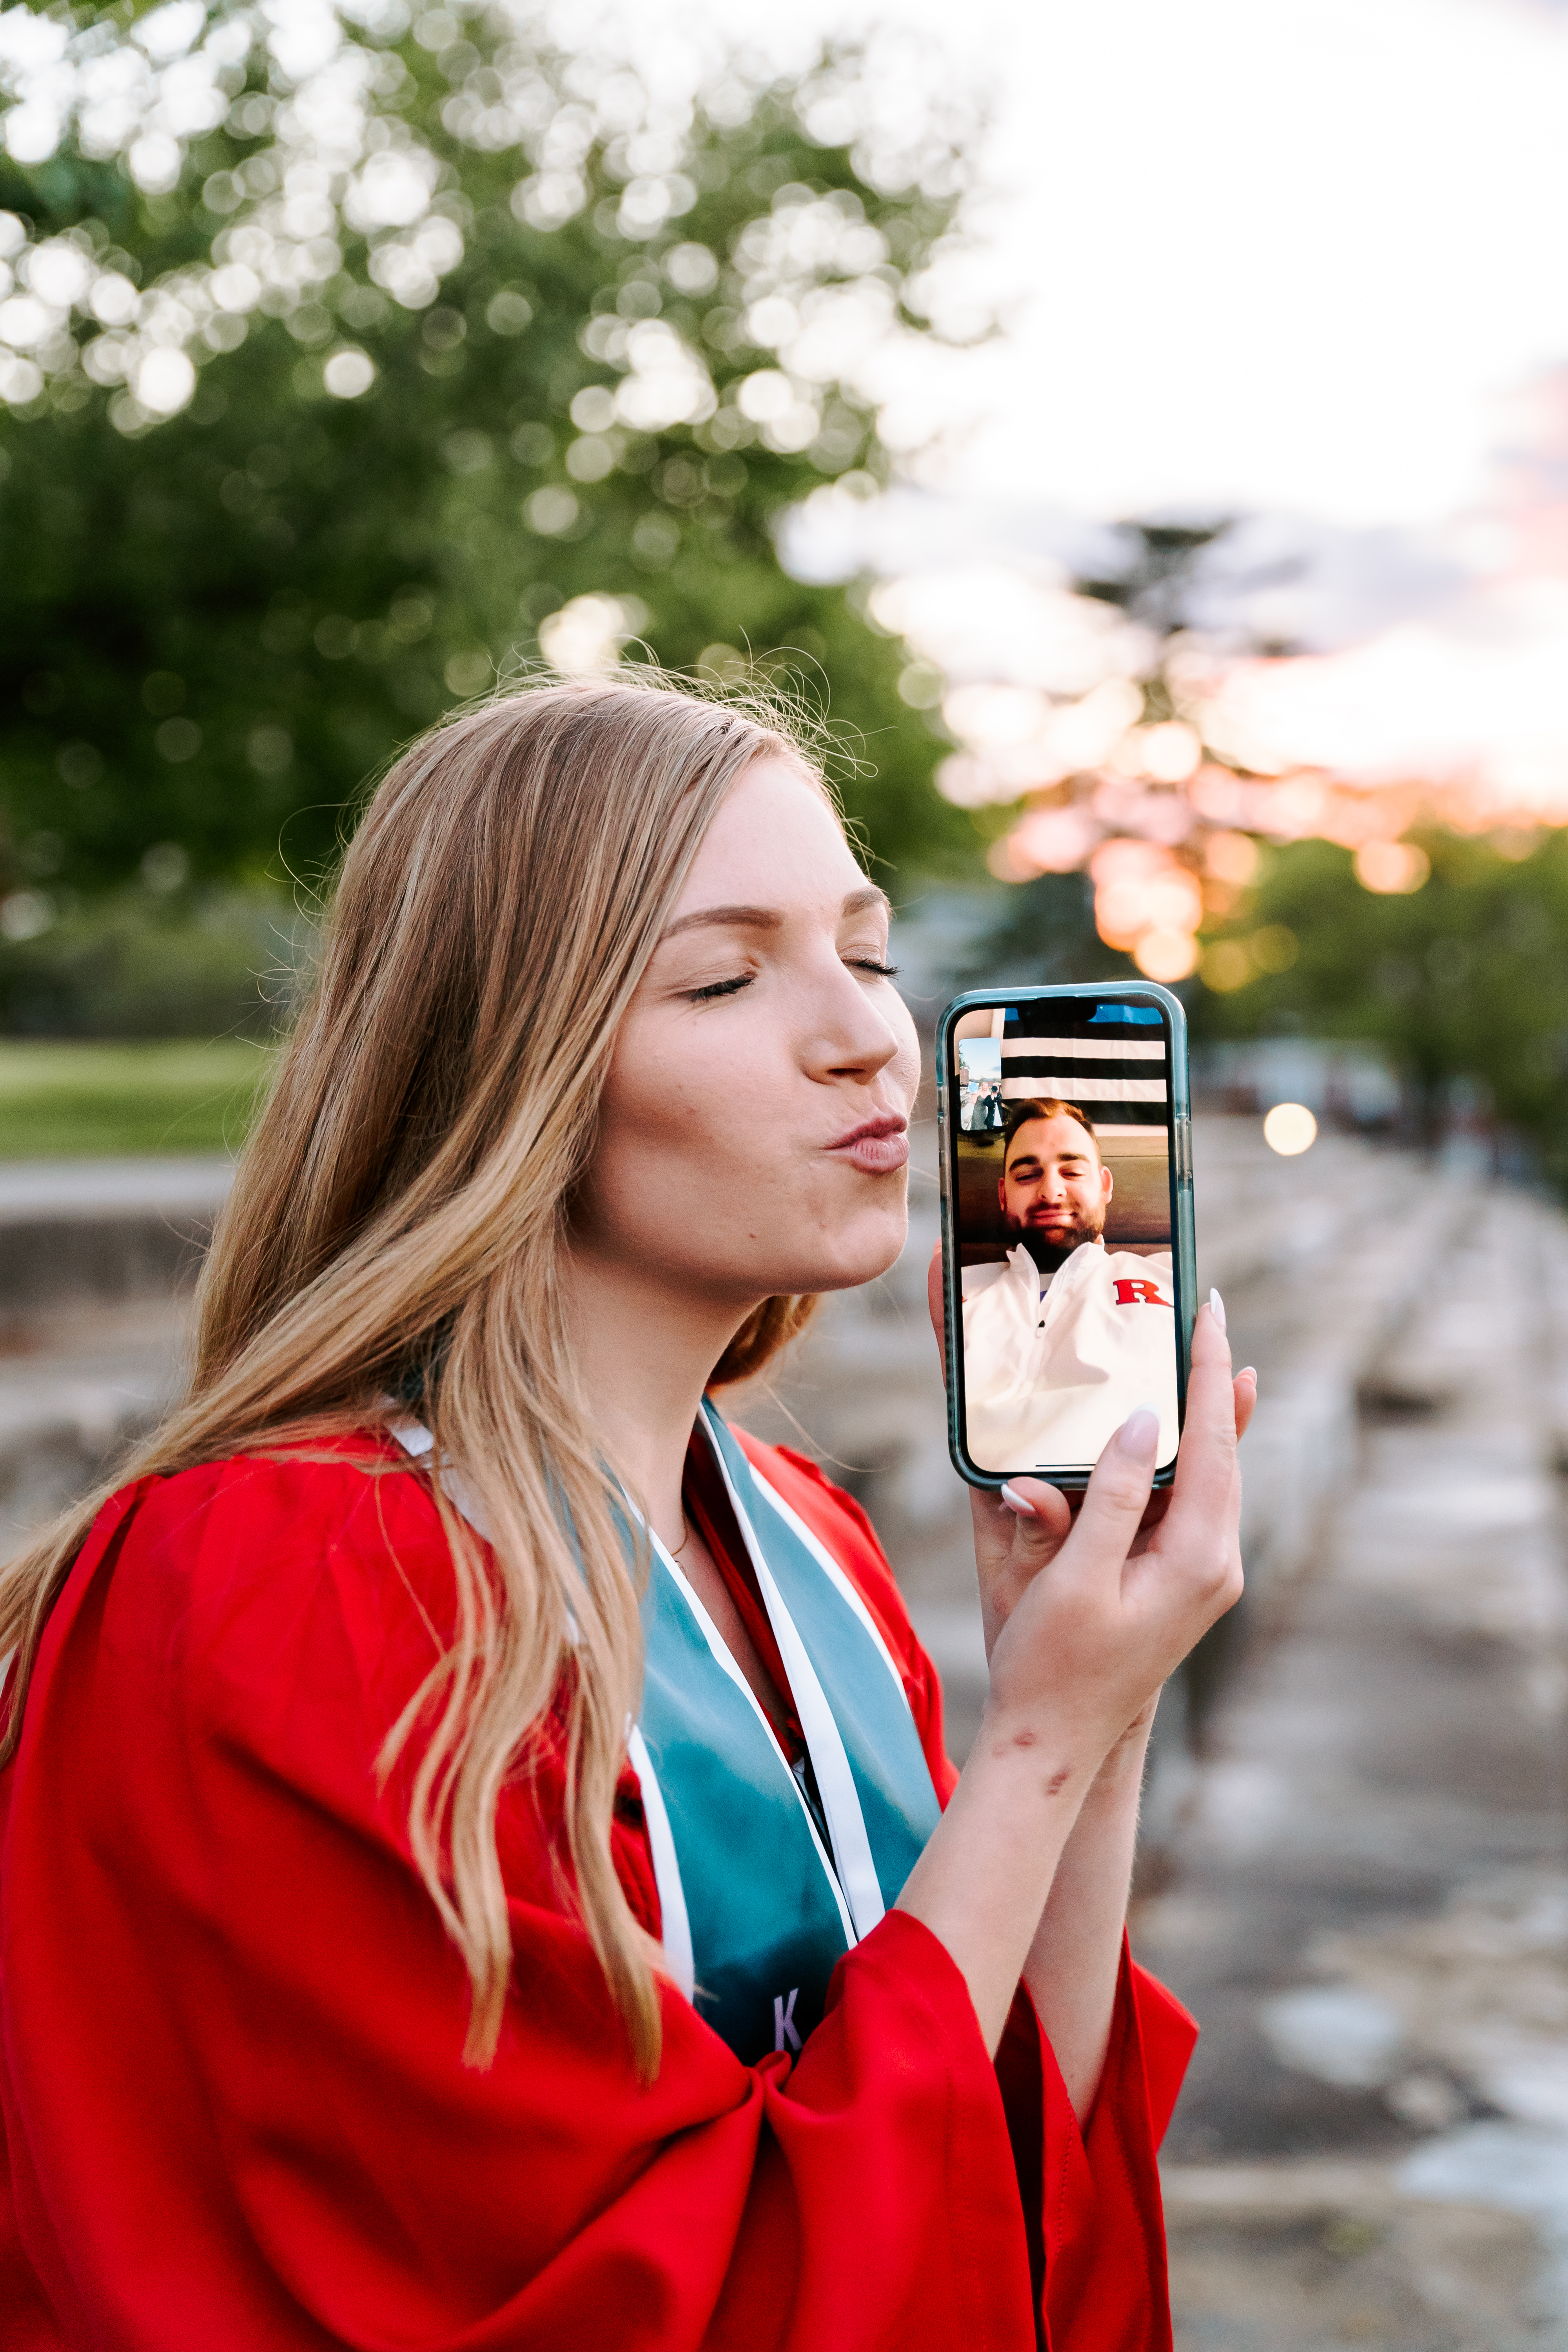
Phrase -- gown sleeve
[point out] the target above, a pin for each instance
(1090, 2201)
(234, 2106)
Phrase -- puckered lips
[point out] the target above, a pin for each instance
(877, 1146)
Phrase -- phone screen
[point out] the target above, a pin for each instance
(1062, 1216)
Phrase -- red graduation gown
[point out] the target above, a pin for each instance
(235, 2118)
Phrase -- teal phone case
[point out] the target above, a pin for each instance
(1183, 1248)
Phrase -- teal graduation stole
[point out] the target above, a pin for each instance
(757, 1908)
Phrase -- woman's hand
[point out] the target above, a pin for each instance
(1016, 1539)
(1090, 1621)
(1086, 1615)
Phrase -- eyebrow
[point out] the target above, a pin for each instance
(768, 919)
(1035, 1159)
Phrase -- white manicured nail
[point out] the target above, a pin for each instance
(1014, 1502)
(1139, 1432)
(1217, 1308)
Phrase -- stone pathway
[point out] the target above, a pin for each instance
(1367, 1902)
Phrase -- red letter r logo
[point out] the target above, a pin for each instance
(1140, 1293)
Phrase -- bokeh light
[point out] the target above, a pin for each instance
(1227, 966)
(586, 634)
(349, 372)
(1392, 868)
(1166, 954)
(1147, 903)
(1289, 1128)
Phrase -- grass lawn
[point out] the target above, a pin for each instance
(71, 1101)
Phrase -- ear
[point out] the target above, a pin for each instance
(1106, 1183)
(1001, 1194)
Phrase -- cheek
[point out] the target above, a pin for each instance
(682, 1128)
(658, 1116)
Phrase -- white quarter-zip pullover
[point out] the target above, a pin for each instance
(1054, 1364)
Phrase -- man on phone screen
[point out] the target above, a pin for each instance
(1064, 1337)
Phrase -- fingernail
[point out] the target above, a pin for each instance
(1217, 1308)
(1014, 1502)
(1139, 1432)
(1248, 1372)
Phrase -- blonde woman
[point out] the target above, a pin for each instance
(477, 1866)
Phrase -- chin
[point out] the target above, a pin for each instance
(867, 1249)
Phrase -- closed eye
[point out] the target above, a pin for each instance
(721, 988)
(743, 980)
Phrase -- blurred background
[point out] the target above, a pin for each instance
(1138, 439)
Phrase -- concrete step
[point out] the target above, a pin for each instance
(73, 1232)
(98, 1259)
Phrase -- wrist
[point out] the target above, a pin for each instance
(1053, 1758)
(986, 1872)
(1120, 1773)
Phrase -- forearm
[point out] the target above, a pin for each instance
(1085, 1615)
(1075, 1954)
(982, 1884)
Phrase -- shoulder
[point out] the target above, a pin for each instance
(321, 1569)
(293, 1508)
(976, 1280)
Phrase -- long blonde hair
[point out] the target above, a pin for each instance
(404, 1201)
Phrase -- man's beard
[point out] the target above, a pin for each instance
(1052, 1248)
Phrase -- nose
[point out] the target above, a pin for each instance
(852, 1038)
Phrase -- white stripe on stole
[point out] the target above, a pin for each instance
(835, 1781)
(722, 1652)
(412, 1435)
(675, 1926)
(416, 1440)
(842, 1584)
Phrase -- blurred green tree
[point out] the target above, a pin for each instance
(351, 361)
(1464, 977)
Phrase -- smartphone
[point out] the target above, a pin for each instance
(1067, 1224)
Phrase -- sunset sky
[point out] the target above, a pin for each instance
(1304, 263)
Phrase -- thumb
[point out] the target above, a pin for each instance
(934, 1300)
(1117, 1493)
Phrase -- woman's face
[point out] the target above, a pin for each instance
(753, 1139)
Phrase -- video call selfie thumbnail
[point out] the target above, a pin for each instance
(1063, 1204)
